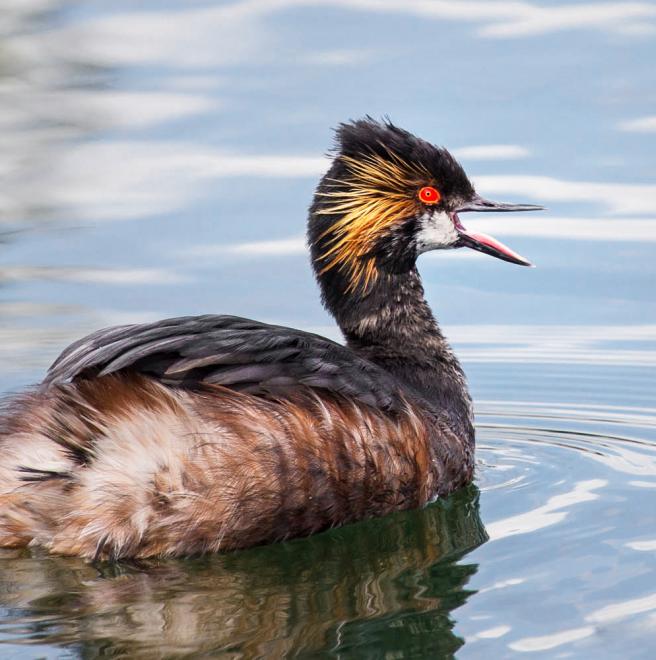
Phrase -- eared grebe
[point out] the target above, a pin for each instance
(209, 433)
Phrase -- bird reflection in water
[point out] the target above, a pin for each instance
(386, 584)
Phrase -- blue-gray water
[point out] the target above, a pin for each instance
(157, 159)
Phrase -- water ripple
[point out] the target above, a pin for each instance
(567, 527)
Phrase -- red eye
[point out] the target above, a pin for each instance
(429, 195)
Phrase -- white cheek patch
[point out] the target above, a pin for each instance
(436, 231)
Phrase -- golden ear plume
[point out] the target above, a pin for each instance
(376, 194)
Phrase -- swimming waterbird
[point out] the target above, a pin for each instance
(210, 433)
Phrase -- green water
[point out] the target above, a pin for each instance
(382, 586)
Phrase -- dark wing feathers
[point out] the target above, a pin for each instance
(230, 351)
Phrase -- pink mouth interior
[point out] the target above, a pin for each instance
(485, 239)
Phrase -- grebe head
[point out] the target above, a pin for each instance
(388, 197)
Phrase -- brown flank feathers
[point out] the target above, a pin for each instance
(122, 466)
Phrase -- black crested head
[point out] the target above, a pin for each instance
(388, 197)
(367, 136)
(369, 215)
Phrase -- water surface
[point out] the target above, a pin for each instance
(157, 159)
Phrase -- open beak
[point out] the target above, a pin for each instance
(483, 242)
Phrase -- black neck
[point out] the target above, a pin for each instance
(393, 326)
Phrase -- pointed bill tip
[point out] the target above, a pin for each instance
(480, 204)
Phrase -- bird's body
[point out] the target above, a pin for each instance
(213, 433)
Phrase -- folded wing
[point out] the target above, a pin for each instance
(238, 353)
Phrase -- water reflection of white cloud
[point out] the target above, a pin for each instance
(502, 584)
(95, 109)
(621, 610)
(619, 17)
(569, 228)
(639, 125)
(561, 344)
(617, 198)
(292, 246)
(551, 641)
(225, 35)
(126, 276)
(642, 546)
(132, 179)
(554, 511)
(119, 109)
(340, 57)
(623, 459)
(488, 633)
